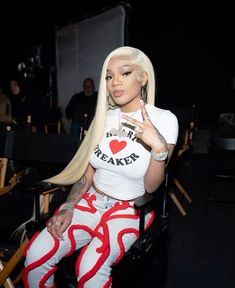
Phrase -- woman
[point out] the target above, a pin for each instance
(123, 156)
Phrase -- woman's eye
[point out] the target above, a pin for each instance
(126, 73)
(108, 77)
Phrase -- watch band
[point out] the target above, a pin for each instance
(161, 156)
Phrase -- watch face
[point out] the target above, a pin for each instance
(163, 156)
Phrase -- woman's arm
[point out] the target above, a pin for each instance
(155, 173)
(80, 187)
(60, 222)
(150, 135)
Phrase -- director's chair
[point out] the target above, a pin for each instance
(38, 151)
(187, 123)
(59, 149)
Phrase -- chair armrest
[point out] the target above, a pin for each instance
(43, 189)
(148, 199)
(144, 201)
(42, 186)
(41, 205)
(14, 180)
(143, 204)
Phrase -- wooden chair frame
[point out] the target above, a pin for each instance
(186, 146)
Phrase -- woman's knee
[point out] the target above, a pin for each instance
(94, 275)
(45, 252)
(32, 255)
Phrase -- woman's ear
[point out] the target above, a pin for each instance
(144, 79)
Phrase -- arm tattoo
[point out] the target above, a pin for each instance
(76, 191)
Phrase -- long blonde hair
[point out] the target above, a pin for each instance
(77, 166)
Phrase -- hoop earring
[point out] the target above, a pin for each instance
(143, 93)
(110, 102)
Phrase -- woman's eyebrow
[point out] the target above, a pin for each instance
(121, 67)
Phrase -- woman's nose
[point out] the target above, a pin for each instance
(116, 80)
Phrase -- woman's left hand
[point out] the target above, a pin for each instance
(146, 131)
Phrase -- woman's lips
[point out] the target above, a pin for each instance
(118, 93)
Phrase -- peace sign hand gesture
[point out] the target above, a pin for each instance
(146, 131)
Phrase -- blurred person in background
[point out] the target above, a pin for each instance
(81, 107)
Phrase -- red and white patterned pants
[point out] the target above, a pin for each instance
(105, 228)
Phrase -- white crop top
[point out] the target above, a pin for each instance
(121, 162)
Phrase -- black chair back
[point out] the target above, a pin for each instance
(43, 155)
(41, 147)
(221, 154)
(221, 170)
(221, 144)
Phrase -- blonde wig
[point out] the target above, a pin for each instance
(79, 163)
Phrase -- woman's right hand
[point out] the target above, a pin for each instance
(59, 223)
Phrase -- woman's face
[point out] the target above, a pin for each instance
(122, 83)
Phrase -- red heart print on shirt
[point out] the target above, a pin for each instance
(117, 146)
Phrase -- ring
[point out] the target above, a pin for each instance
(138, 130)
(49, 224)
(57, 223)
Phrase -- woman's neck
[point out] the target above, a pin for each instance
(130, 107)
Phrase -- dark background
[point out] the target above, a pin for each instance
(191, 45)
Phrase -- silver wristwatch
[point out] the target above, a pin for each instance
(161, 156)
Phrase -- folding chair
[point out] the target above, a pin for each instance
(34, 150)
(147, 257)
(53, 123)
(187, 123)
(221, 159)
(59, 149)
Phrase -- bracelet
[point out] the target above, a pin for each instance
(66, 207)
(161, 156)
